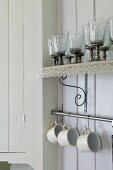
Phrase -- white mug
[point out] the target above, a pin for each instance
(68, 136)
(89, 141)
(52, 133)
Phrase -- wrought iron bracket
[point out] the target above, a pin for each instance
(78, 96)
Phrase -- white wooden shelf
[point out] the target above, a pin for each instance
(72, 69)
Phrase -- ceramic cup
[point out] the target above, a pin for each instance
(52, 134)
(68, 136)
(88, 141)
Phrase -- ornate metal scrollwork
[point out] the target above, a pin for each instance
(78, 96)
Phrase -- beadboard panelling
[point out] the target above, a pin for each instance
(4, 75)
(104, 97)
(70, 153)
(69, 24)
(104, 107)
(100, 92)
(68, 15)
(84, 14)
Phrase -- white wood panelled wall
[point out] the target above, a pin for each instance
(73, 14)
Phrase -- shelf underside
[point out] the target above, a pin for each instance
(72, 69)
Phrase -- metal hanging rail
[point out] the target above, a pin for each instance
(53, 112)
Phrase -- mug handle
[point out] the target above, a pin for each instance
(85, 129)
(66, 126)
(54, 123)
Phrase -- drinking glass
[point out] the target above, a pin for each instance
(59, 43)
(97, 33)
(87, 42)
(106, 46)
(110, 22)
(75, 41)
(52, 53)
(68, 54)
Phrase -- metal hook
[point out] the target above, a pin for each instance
(54, 116)
(112, 123)
(67, 119)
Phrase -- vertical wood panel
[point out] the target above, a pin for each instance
(84, 14)
(69, 24)
(70, 153)
(104, 97)
(16, 75)
(86, 157)
(68, 15)
(104, 107)
(4, 75)
(32, 85)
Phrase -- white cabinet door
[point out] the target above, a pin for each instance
(11, 76)
(4, 109)
(16, 86)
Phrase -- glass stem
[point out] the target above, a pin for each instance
(75, 59)
(60, 60)
(91, 55)
(97, 53)
(104, 55)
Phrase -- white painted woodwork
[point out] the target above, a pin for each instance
(40, 96)
(25, 27)
(82, 18)
(16, 76)
(104, 96)
(4, 109)
(68, 13)
(70, 153)
(100, 91)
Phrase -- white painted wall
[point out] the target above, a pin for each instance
(74, 14)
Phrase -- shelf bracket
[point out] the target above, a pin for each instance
(78, 96)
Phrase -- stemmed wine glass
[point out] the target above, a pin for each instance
(59, 43)
(97, 33)
(87, 42)
(68, 54)
(106, 46)
(75, 41)
(52, 53)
